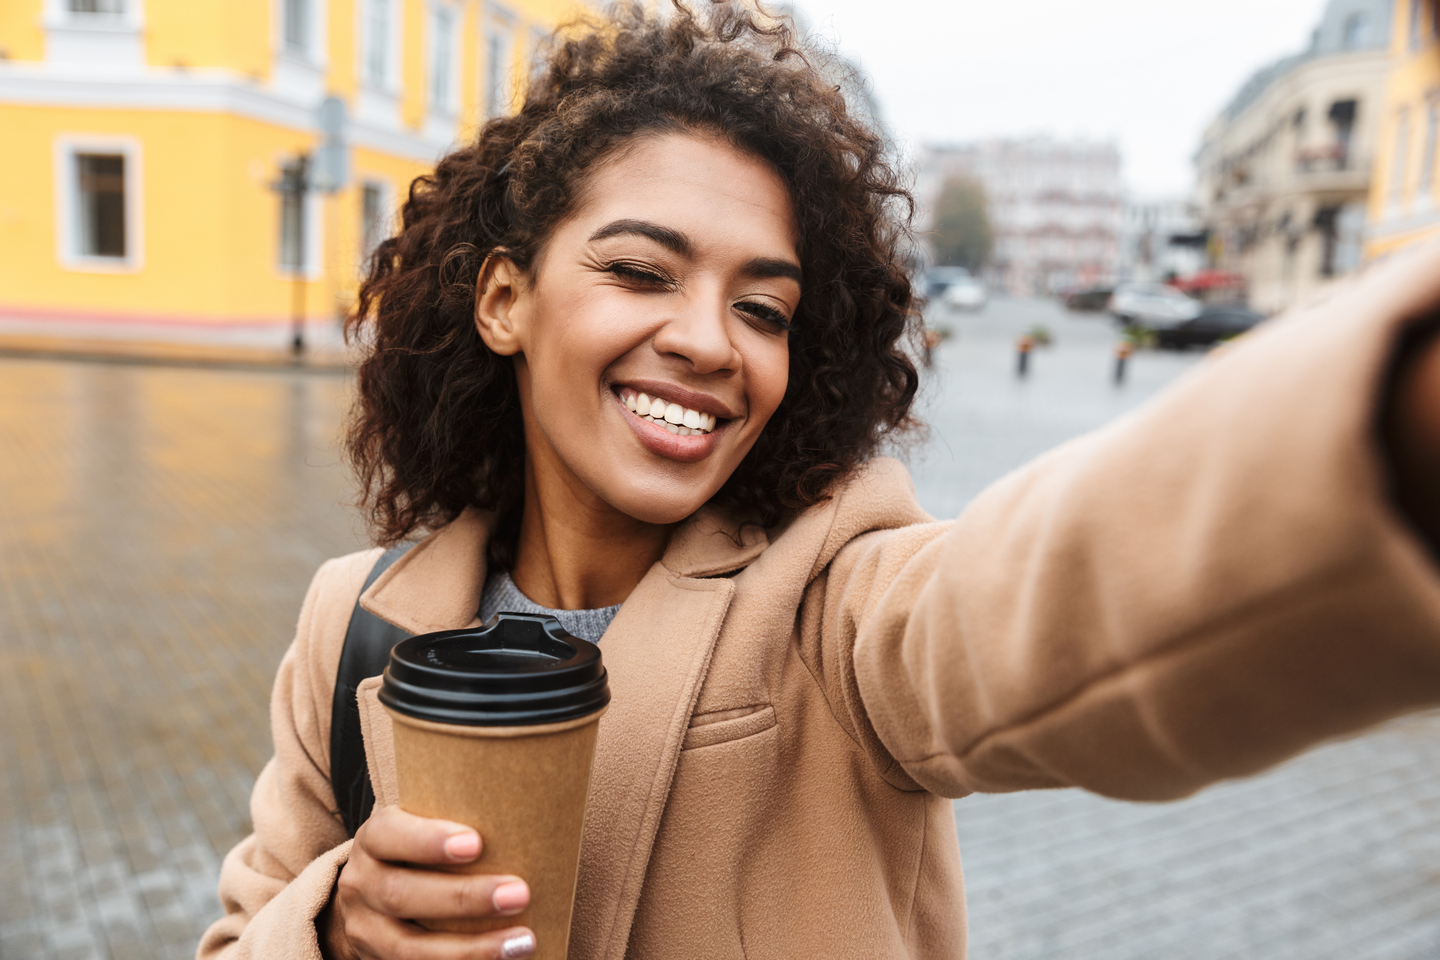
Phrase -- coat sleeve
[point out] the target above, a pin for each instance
(1198, 591)
(276, 881)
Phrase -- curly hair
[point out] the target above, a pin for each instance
(436, 425)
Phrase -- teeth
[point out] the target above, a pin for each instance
(678, 420)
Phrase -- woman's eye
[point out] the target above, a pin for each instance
(766, 314)
(638, 275)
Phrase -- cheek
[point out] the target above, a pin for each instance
(770, 370)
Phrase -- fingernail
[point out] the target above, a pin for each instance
(515, 947)
(511, 897)
(463, 846)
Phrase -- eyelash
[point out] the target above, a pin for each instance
(759, 311)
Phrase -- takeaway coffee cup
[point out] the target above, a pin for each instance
(495, 728)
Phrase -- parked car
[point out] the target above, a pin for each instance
(1090, 300)
(966, 293)
(939, 279)
(1152, 306)
(1213, 325)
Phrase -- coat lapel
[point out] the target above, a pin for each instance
(657, 652)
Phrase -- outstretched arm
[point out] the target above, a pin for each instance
(1242, 568)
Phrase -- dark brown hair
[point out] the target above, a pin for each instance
(437, 425)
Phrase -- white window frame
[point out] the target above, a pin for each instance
(313, 54)
(1429, 151)
(389, 83)
(450, 106)
(95, 39)
(313, 210)
(387, 210)
(497, 76)
(67, 203)
(1400, 162)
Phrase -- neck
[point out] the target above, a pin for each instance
(576, 551)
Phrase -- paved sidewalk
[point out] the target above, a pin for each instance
(232, 346)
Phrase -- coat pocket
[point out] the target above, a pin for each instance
(724, 726)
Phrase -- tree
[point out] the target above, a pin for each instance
(961, 235)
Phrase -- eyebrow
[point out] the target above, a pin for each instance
(674, 240)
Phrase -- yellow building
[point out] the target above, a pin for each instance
(1405, 190)
(146, 146)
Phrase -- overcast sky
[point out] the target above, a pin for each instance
(1149, 74)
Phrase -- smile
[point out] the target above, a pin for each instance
(681, 421)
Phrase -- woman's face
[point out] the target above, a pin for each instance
(651, 340)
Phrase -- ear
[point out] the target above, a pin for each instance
(497, 288)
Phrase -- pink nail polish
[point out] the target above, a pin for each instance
(462, 846)
(511, 897)
(517, 947)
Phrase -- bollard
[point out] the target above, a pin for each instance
(1122, 354)
(1023, 346)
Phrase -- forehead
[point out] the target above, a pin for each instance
(709, 190)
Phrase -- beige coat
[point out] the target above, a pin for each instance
(1195, 592)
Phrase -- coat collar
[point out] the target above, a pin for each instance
(437, 585)
(657, 653)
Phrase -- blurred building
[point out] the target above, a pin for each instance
(1284, 171)
(1055, 208)
(155, 151)
(1404, 201)
(1160, 239)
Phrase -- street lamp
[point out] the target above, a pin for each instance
(327, 172)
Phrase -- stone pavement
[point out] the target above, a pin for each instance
(158, 527)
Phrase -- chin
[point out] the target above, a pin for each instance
(658, 510)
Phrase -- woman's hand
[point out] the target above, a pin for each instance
(384, 893)
(1412, 433)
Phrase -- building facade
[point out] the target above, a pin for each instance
(1405, 194)
(1160, 239)
(1055, 208)
(174, 161)
(1283, 173)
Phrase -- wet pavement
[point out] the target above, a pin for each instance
(158, 527)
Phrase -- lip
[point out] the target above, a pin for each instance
(662, 442)
(674, 393)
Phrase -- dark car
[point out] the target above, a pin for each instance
(1092, 300)
(1213, 325)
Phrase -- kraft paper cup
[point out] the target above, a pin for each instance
(495, 728)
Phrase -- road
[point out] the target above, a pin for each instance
(158, 527)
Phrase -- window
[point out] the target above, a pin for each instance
(100, 193)
(1417, 22)
(296, 25)
(376, 63)
(97, 203)
(1398, 163)
(293, 239)
(1357, 31)
(112, 8)
(372, 217)
(1427, 157)
(442, 60)
(497, 71)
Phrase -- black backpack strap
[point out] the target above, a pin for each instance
(367, 650)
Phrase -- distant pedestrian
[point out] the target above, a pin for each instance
(634, 351)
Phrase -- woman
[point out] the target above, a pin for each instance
(634, 351)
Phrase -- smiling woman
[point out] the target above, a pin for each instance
(632, 353)
(761, 168)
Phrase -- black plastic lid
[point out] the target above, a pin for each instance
(519, 669)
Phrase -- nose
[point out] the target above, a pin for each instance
(700, 335)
